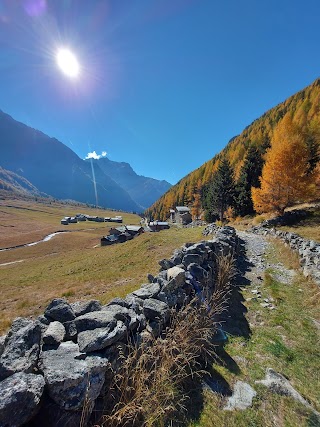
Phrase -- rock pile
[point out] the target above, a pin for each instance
(308, 250)
(53, 369)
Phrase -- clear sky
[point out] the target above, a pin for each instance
(163, 84)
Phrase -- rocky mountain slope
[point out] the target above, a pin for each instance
(14, 183)
(142, 189)
(56, 170)
(304, 106)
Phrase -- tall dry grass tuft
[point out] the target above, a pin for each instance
(153, 384)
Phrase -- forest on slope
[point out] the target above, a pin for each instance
(303, 107)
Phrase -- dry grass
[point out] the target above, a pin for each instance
(152, 387)
(23, 221)
(75, 266)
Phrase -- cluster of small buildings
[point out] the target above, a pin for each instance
(82, 217)
(121, 234)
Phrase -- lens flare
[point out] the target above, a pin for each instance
(68, 63)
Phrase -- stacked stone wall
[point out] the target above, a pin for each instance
(53, 369)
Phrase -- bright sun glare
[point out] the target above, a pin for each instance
(68, 63)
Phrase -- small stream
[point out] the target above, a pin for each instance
(45, 239)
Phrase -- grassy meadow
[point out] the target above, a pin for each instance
(72, 264)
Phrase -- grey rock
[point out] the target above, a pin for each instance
(20, 397)
(150, 278)
(71, 331)
(100, 338)
(278, 384)
(96, 319)
(72, 379)
(119, 301)
(134, 303)
(148, 291)
(82, 307)
(192, 258)
(241, 398)
(2, 341)
(43, 320)
(59, 309)
(163, 274)
(198, 272)
(178, 274)
(22, 346)
(156, 310)
(54, 334)
(165, 264)
(168, 298)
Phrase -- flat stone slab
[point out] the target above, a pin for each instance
(82, 307)
(71, 377)
(100, 338)
(96, 319)
(20, 397)
(241, 398)
(148, 291)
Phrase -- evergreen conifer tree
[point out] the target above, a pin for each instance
(248, 178)
(222, 189)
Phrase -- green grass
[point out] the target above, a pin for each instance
(285, 339)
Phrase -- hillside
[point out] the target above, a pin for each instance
(11, 182)
(143, 190)
(55, 169)
(305, 109)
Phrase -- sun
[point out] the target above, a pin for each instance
(68, 63)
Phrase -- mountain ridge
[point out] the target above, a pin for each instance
(54, 169)
(142, 189)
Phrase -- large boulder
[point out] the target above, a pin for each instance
(21, 348)
(100, 338)
(20, 397)
(59, 309)
(72, 378)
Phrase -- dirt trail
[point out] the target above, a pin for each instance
(256, 247)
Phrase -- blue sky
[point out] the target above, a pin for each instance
(164, 84)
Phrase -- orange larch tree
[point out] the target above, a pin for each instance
(285, 179)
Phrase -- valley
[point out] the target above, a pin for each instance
(72, 264)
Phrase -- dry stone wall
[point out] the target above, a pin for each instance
(308, 250)
(54, 368)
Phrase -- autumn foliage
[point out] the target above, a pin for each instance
(284, 180)
(303, 107)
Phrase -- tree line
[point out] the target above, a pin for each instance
(303, 108)
(286, 174)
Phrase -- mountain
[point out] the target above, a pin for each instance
(55, 169)
(14, 183)
(143, 190)
(304, 107)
